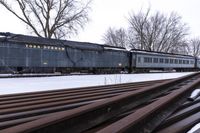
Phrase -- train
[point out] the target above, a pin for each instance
(29, 54)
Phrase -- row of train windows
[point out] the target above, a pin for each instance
(162, 60)
(45, 47)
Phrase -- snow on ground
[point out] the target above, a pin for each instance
(20, 85)
(195, 128)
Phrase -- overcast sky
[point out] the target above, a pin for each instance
(114, 13)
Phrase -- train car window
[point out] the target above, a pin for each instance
(147, 60)
(187, 61)
(150, 60)
(166, 60)
(155, 60)
(176, 61)
(161, 60)
(171, 61)
(139, 59)
(180, 61)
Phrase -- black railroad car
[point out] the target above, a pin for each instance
(20, 53)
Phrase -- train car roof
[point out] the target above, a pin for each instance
(159, 53)
(10, 37)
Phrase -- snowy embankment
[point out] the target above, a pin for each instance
(20, 85)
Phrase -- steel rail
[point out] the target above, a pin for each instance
(7, 124)
(188, 103)
(52, 104)
(65, 98)
(38, 112)
(62, 97)
(182, 126)
(24, 116)
(69, 93)
(149, 117)
(179, 116)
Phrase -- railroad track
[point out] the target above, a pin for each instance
(29, 75)
(139, 107)
(39, 75)
(24, 107)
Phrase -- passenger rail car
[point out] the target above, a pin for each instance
(28, 54)
(162, 61)
(19, 53)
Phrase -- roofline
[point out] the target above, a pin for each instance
(160, 52)
(12, 35)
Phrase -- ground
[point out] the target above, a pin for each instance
(19, 85)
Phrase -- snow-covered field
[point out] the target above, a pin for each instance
(19, 85)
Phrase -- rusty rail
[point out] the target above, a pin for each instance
(20, 108)
(149, 117)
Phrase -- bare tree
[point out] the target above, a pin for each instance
(50, 18)
(115, 37)
(194, 47)
(136, 29)
(157, 32)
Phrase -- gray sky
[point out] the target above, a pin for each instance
(114, 13)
